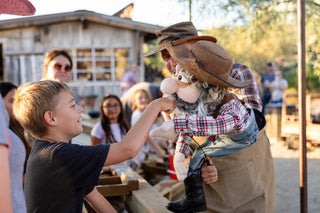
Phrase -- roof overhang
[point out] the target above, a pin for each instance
(81, 15)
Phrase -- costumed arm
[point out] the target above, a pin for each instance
(182, 151)
(232, 118)
(250, 95)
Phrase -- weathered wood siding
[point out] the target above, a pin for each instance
(24, 50)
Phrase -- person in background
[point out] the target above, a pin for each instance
(129, 79)
(126, 99)
(278, 87)
(113, 125)
(18, 149)
(59, 174)
(57, 65)
(140, 101)
(23, 8)
(255, 160)
(266, 80)
(8, 91)
(5, 186)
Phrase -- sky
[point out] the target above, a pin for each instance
(158, 12)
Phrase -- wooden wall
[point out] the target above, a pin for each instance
(24, 49)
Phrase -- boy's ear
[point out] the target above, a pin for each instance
(49, 118)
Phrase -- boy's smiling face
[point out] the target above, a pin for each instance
(67, 115)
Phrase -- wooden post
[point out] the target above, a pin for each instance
(302, 106)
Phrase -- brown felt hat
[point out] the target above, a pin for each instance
(177, 31)
(206, 61)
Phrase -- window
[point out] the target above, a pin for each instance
(99, 64)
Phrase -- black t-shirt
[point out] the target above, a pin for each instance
(59, 175)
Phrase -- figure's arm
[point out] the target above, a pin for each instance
(98, 202)
(181, 153)
(250, 95)
(131, 144)
(231, 119)
(183, 144)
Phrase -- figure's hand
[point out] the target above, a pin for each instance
(209, 173)
(165, 131)
(179, 166)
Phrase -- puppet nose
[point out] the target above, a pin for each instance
(169, 86)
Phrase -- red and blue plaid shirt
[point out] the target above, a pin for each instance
(233, 117)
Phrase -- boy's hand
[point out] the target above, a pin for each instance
(209, 173)
(167, 105)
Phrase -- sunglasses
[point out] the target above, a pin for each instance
(59, 67)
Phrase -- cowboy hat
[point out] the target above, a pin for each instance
(205, 60)
(177, 31)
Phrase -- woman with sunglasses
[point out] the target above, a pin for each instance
(57, 66)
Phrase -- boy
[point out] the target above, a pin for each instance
(60, 175)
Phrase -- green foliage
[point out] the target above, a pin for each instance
(269, 32)
(261, 31)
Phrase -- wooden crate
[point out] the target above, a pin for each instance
(155, 167)
(117, 182)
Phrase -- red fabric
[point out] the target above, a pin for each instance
(171, 168)
(17, 7)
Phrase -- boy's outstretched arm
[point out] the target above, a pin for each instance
(131, 144)
(98, 202)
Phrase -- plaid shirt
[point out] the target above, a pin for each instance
(233, 117)
(250, 95)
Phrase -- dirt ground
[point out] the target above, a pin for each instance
(287, 191)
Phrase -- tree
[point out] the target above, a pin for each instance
(261, 31)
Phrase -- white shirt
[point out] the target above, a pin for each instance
(98, 132)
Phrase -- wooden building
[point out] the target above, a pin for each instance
(102, 48)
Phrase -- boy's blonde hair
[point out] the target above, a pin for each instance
(32, 100)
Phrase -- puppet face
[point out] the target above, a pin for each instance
(180, 85)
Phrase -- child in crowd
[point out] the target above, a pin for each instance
(140, 101)
(113, 125)
(8, 91)
(59, 174)
(19, 149)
